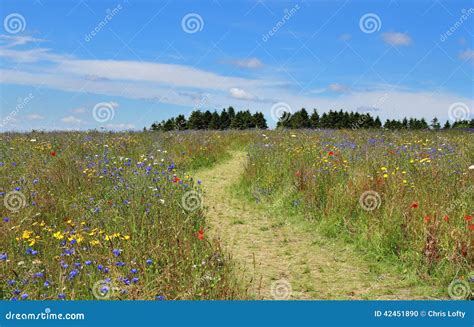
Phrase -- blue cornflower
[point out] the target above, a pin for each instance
(64, 265)
(160, 298)
(3, 257)
(35, 181)
(46, 283)
(16, 292)
(39, 274)
(106, 270)
(6, 219)
(24, 296)
(149, 262)
(117, 252)
(18, 188)
(31, 251)
(135, 280)
(73, 274)
(11, 282)
(134, 270)
(77, 265)
(120, 264)
(61, 296)
(88, 263)
(100, 267)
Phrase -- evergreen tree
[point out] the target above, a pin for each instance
(215, 121)
(195, 121)
(181, 123)
(435, 124)
(447, 125)
(224, 120)
(314, 119)
(259, 120)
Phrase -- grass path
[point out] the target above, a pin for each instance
(275, 255)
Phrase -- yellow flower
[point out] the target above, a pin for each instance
(385, 175)
(126, 237)
(26, 234)
(383, 168)
(94, 242)
(58, 235)
(32, 242)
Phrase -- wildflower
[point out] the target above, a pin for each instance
(58, 235)
(100, 267)
(200, 234)
(120, 264)
(467, 218)
(471, 227)
(160, 298)
(134, 270)
(385, 175)
(471, 167)
(3, 257)
(414, 205)
(11, 282)
(46, 283)
(116, 252)
(331, 153)
(53, 153)
(73, 274)
(61, 296)
(427, 219)
(24, 296)
(6, 219)
(39, 274)
(31, 251)
(135, 280)
(88, 263)
(446, 218)
(149, 262)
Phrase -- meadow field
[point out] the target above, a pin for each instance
(176, 215)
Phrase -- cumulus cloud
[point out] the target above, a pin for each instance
(240, 94)
(396, 39)
(251, 63)
(71, 120)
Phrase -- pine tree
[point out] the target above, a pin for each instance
(314, 119)
(215, 121)
(447, 125)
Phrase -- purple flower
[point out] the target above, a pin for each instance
(149, 262)
(77, 265)
(160, 298)
(31, 251)
(46, 283)
(3, 257)
(100, 267)
(64, 265)
(120, 264)
(117, 252)
(73, 274)
(39, 274)
(19, 189)
(61, 296)
(88, 263)
(134, 270)
(135, 280)
(6, 219)
(11, 282)
(24, 296)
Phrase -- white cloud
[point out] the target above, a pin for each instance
(71, 120)
(467, 55)
(240, 94)
(396, 38)
(34, 117)
(251, 63)
(79, 110)
(336, 87)
(120, 126)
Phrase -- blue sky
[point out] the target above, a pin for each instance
(124, 64)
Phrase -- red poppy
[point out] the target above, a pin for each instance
(53, 153)
(414, 205)
(427, 219)
(176, 179)
(331, 153)
(200, 234)
(446, 218)
(467, 218)
(298, 173)
(471, 227)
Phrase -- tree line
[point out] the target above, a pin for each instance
(230, 119)
(227, 119)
